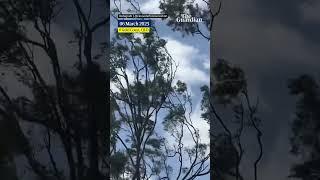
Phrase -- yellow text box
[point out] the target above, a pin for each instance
(133, 29)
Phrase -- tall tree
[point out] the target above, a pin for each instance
(230, 113)
(149, 104)
(228, 92)
(72, 111)
(208, 12)
(305, 141)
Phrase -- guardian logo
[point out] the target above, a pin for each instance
(188, 18)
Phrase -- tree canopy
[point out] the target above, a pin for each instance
(305, 127)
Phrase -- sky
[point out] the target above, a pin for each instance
(271, 40)
(192, 56)
(62, 31)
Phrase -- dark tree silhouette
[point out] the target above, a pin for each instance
(305, 141)
(228, 93)
(229, 111)
(72, 111)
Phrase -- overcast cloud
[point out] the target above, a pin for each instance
(272, 41)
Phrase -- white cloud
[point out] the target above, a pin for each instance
(206, 64)
(193, 67)
(151, 6)
(114, 88)
(188, 57)
(131, 77)
(201, 4)
(137, 35)
(200, 124)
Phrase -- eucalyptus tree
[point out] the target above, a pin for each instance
(152, 110)
(304, 140)
(66, 109)
(149, 104)
(228, 104)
